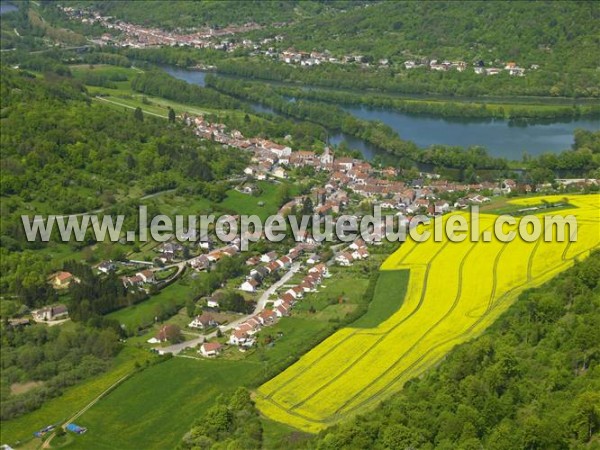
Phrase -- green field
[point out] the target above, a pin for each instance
(143, 313)
(158, 405)
(74, 398)
(249, 204)
(387, 299)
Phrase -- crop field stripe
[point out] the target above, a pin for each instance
(378, 341)
(368, 400)
(477, 322)
(337, 416)
(511, 276)
(359, 331)
(429, 330)
(495, 275)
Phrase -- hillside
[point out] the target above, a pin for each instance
(559, 37)
(187, 14)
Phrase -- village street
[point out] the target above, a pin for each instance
(260, 305)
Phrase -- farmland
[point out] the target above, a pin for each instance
(455, 291)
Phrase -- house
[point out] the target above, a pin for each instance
(320, 269)
(203, 321)
(210, 349)
(147, 276)
(441, 207)
(212, 302)
(344, 259)
(238, 337)
(107, 266)
(267, 316)
(249, 285)
(252, 261)
(200, 263)
(296, 292)
(132, 281)
(282, 310)
(507, 186)
(361, 253)
(48, 313)
(259, 273)
(307, 285)
(268, 257)
(286, 299)
(313, 259)
(284, 262)
(358, 243)
(273, 267)
(62, 280)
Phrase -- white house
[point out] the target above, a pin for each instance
(249, 285)
(268, 257)
(210, 349)
(344, 259)
(238, 337)
(212, 303)
(147, 276)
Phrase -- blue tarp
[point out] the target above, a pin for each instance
(76, 428)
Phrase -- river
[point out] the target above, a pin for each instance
(502, 138)
(6, 7)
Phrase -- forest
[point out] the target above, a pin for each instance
(52, 357)
(448, 108)
(184, 14)
(557, 36)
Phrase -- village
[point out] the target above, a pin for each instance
(124, 34)
(274, 281)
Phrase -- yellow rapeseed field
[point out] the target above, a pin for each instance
(455, 291)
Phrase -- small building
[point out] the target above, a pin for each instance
(107, 267)
(210, 349)
(249, 285)
(62, 280)
(147, 276)
(50, 313)
(203, 321)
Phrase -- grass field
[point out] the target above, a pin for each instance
(143, 313)
(73, 399)
(248, 204)
(157, 406)
(387, 299)
(454, 292)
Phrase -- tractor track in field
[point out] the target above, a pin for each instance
(418, 306)
(382, 336)
(424, 336)
(492, 305)
(495, 278)
(366, 401)
(338, 415)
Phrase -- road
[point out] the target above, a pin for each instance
(260, 305)
(128, 106)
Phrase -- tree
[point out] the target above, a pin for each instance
(173, 334)
(171, 115)
(138, 114)
(190, 307)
